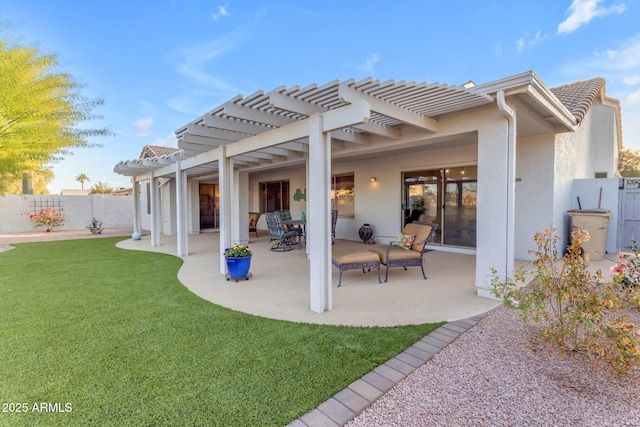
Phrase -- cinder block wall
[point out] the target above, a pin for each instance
(113, 211)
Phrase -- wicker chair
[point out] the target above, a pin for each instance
(392, 255)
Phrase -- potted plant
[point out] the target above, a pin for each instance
(238, 259)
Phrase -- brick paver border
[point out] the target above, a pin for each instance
(360, 394)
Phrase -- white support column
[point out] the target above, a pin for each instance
(495, 208)
(155, 210)
(243, 209)
(307, 246)
(137, 223)
(225, 180)
(181, 211)
(235, 206)
(319, 227)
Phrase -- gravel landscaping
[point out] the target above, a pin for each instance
(499, 374)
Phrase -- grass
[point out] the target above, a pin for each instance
(113, 335)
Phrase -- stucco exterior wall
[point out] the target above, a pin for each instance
(601, 125)
(377, 203)
(297, 180)
(534, 191)
(603, 193)
(579, 155)
(113, 211)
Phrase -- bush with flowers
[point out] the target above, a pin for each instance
(48, 217)
(579, 312)
(627, 272)
(237, 251)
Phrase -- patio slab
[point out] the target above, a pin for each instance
(279, 286)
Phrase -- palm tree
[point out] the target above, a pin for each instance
(82, 178)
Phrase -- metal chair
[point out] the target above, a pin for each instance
(392, 255)
(284, 239)
(334, 221)
(253, 222)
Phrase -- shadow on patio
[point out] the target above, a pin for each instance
(279, 288)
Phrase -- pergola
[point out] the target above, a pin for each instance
(293, 125)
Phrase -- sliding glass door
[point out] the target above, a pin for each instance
(446, 197)
(209, 207)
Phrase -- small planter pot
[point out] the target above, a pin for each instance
(136, 235)
(365, 233)
(238, 267)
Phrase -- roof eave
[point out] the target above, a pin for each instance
(528, 83)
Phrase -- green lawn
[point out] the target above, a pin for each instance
(112, 336)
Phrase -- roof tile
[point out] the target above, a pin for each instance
(578, 97)
(156, 150)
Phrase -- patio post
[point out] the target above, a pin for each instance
(495, 208)
(319, 216)
(155, 210)
(135, 184)
(181, 210)
(225, 179)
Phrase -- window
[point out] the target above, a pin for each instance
(343, 195)
(601, 174)
(274, 196)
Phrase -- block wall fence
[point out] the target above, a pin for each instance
(113, 211)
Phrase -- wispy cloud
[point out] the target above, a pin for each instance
(631, 80)
(633, 98)
(143, 126)
(369, 63)
(202, 68)
(581, 12)
(221, 12)
(625, 58)
(498, 49)
(529, 41)
(195, 60)
(169, 141)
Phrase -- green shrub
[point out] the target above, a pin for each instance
(578, 311)
(96, 226)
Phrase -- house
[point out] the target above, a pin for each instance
(490, 163)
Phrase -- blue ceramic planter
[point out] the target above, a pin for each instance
(238, 267)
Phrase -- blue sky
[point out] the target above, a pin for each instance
(160, 64)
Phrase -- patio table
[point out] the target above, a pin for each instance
(300, 225)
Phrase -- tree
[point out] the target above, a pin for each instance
(40, 111)
(101, 188)
(629, 162)
(82, 178)
(9, 184)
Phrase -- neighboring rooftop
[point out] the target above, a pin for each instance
(150, 151)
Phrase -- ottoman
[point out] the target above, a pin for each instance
(349, 259)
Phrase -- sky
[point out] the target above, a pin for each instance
(160, 64)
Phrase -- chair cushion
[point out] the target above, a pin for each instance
(421, 231)
(394, 252)
(405, 241)
(348, 256)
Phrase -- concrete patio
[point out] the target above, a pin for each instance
(279, 288)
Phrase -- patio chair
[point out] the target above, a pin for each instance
(407, 249)
(285, 239)
(334, 221)
(253, 222)
(286, 216)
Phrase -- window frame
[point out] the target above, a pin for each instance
(349, 206)
(283, 186)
